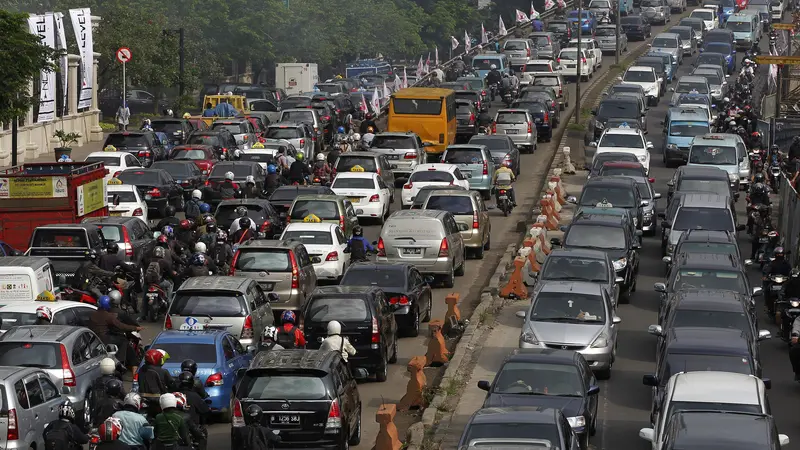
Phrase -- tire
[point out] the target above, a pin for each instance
(488, 244)
(393, 359)
(85, 416)
(355, 438)
(449, 280)
(429, 313)
(479, 252)
(181, 205)
(414, 330)
(383, 371)
(603, 375)
(462, 268)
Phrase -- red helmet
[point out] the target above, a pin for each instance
(747, 108)
(153, 357)
(507, 163)
(180, 399)
(186, 224)
(163, 240)
(110, 429)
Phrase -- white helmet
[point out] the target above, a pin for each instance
(169, 112)
(493, 67)
(270, 333)
(108, 366)
(197, 194)
(133, 399)
(200, 247)
(334, 328)
(229, 176)
(237, 153)
(168, 401)
(356, 137)
(44, 312)
(250, 179)
(320, 157)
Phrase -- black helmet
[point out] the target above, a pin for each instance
(112, 248)
(169, 211)
(188, 365)
(358, 231)
(113, 388)
(244, 223)
(186, 379)
(92, 255)
(211, 228)
(252, 416)
(779, 253)
(759, 178)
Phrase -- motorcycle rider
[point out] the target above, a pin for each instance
(514, 79)
(792, 287)
(108, 369)
(108, 327)
(289, 335)
(604, 19)
(125, 354)
(153, 378)
(197, 267)
(505, 87)
(170, 427)
(269, 340)
(185, 234)
(254, 436)
(198, 409)
(503, 178)
(299, 172)
(161, 272)
(779, 266)
(202, 250)
(236, 225)
(369, 121)
(169, 219)
(322, 169)
(228, 189)
(88, 273)
(759, 195)
(110, 404)
(245, 233)
(136, 431)
(62, 433)
(210, 236)
(273, 180)
(222, 252)
(44, 316)
(110, 260)
(250, 190)
(794, 352)
(192, 208)
(189, 365)
(281, 160)
(198, 434)
(494, 77)
(336, 342)
(359, 246)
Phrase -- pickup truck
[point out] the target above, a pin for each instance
(66, 245)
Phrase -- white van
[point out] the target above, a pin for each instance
(25, 278)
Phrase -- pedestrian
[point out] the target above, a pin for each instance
(123, 116)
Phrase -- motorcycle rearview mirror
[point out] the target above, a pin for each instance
(272, 297)
(429, 279)
(346, 251)
(112, 349)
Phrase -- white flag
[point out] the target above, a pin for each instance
(484, 38)
(453, 42)
(82, 25)
(386, 91)
(376, 104)
(44, 27)
(501, 29)
(61, 44)
(561, 3)
(405, 78)
(467, 42)
(436, 57)
(397, 83)
(428, 64)
(420, 68)
(548, 4)
(521, 17)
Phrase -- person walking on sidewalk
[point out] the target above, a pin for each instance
(123, 116)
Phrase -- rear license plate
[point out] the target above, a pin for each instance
(512, 131)
(267, 286)
(503, 197)
(570, 66)
(763, 240)
(355, 199)
(412, 251)
(284, 419)
(392, 156)
(115, 213)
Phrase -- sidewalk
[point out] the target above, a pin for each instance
(78, 154)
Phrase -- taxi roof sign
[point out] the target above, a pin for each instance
(356, 169)
(115, 182)
(312, 218)
(770, 59)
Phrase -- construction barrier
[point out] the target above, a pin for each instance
(437, 351)
(387, 438)
(515, 287)
(415, 388)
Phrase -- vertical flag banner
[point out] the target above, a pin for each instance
(386, 92)
(44, 27)
(521, 17)
(82, 25)
(364, 106)
(501, 28)
(436, 57)
(534, 14)
(397, 83)
(484, 38)
(376, 104)
(61, 44)
(561, 3)
(548, 4)
(405, 78)
(453, 42)
(428, 64)
(467, 42)
(420, 68)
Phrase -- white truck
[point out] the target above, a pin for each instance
(295, 78)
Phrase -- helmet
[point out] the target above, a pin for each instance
(197, 194)
(241, 211)
(237, 154)
(250, 179)
(779, 253)
(726, 99)
(180, 400)
(358, 231)
(759, 178)
(222, 235)
(188, 365)
(334, 328)
(146, 122)
(116, 297)
(507, 163)
(104, 303)
(108, 366)
(162, 241)
(168, 231)
(320, 157)
(505, 75)
(169, 211)
(110, 429)
(229, 176)
(186, 379)
(288, 317)
(299, 157)
(186, 115)
(112, 248)
(200, 247)
(66, 412)
(113, 387)
(755, 134)
(167, 401)
(270, 333)
(774, 147)
(356, 137)
(198, 259)
(211, 228)
(43, 312)
(185, 224)
(92, 255)
(153, 357)
(253, 415)
(732, 123)
(493, 67)
(258, 145)
(340, 130)
(133, 399)
(205, 208)
(272, 169)
(244, 222)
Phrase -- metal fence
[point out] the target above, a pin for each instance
(789, 218)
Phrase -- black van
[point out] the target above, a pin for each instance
(367, 321)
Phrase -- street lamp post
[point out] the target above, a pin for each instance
(618, 20)
(579, 61)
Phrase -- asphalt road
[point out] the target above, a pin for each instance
(534, 167)
(625, 402)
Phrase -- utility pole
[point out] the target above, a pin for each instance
(618, 20)
(181, 60)
(579, 61)
(14, 141)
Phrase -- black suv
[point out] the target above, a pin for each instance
(708, 179)
(177, 130)
(132, 235)
(616, 107)
(221, 140)
(613, 192)
(144, 145)
(310, 396)
(344, 107)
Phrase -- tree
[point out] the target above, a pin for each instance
(22, 58)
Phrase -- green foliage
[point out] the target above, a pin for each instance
(65, 138)
(22, 57)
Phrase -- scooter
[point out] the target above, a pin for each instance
(156, 300)
(774, 294)
(504, 202)
(789, 311)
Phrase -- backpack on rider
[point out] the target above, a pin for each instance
(152, 275)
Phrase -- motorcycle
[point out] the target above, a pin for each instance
(504, 202)
(754, 156)
(156, 300)
(94, 438)
(774, 294)
(775, 172)
(508, 97)
(493, 88)
(789, 310)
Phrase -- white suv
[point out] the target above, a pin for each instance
(626, 140)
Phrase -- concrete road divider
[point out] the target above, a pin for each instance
(437, 352)
(515, 288)
(414, 396)
(453, 316)
(569, 168)
(387, 438)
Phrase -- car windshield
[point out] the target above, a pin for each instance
(665, 43)
(644, 191)
(205, 139)
(465, 155)
(353, 183)
(330, 88)
(200, 353)
(695, 87)
(557, 27)
(308, 237)
(356, 164)
(530, 378)
(718, 47)
(718, 187)
(596, 237)
(599, 4)
(725, 280)
(324, 209)
(298, 116)
(208, 304)
(374, 276)
(239, 170)
(10, 319)
(166, 127)
(123, 140)
(541, 41)
(712, 406)
(512, 430)
(738, 26)
(534, 107)
(193, 154)
(705, 58)
(463, 109)
(485, 63)
(569, 268)
(494, 143)
(458, 205)
(640, 76)
(602, 158)
(393, 142)
(269, 260)
(605, 31)
(572, 307)
(59, 237)
(431, 176)
(708, 247)
(569, 55)
(710, 319)
(545, 81)
(261, 157)
(712, 78)
(621, 141)
(703, 219)
(685, 34)
(651, 3)
(280, 386)
(538, 68)
(515, 45)
(123, 196)
(630, 21)
(284, 133)
(680, 362)
(617, 197)
(30, 354)
(176, 169)
(705, 15)
(623, 171)
(688, 129)
(343, 309)
(140, 177)
(295, 102)
(234, 128)
(618, 110)
(113, 161)
(713, 155)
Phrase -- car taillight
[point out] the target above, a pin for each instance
(68, 375)
(326, 118)
(651, 180)
(167, 323)
(267, 225)
(155, 192)
(444, 249)
(558, 60)
(375, 198)
(295, 271)
(144, 154)
(334, 417)
(410, 155)
(237, 416)
(401, 300)
(408, 185)
(560, 91)
(136, 213)
(233, 262)
(126, 237)
(215, 379)
(486, 166)
(483, 92)
(494, 128)
(13, 429)
(475, 224)
(471, 117)
(341, 222)
(546, 116)
(530, 127)
(381, 247)
(116, 174)
(247, 328)
(302, 142)
(376, 333)
(583, 60)
(332, 256)
(529, 54)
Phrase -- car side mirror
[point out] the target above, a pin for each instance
(657, 195)
(748, 262)
(764, 335)
(253, 305)
(572, 199)
(360, 374)
(593, 144)
(240, 373)
(555, 242)
(112, 349)
(660, 287)
(272, 297)
(648, 434)
(650, 380)
(741, 227)
(672, 89)
(616, 320)
(316, 260)
(252, 349)
(484, 385)
(346, 251)
(767, 383)
(429, 279)
(239, 142)
(650, 145)
(667, 260)
(619, 280)
(783, 440)
(644, 203)
(522, 314)
(655, 330)
(374, 242)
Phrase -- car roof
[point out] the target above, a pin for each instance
(305, 226)
(624, 130)
(709, 300)
(380, 266)
(216, 283)
(708, 341)
(40, 333)
(687, 112)
(548, 355)
(440, 167)
(609, 180)
(353, 291)
(417, 213)
(701, 172)
(119, 155)
(717, 387)
(710, 261)
(321, 197)
(710, 236)
(623, 164)
(30, 307)
(360, 153)
(209, 336)
(515, 414)
(369, 175)
(640, 69)
(692, 79)
(578, 253)
(668, 35)
(569, 287)
(681, 27)
(701, 429)
(293, 359)
(705, 200)
(466, 147)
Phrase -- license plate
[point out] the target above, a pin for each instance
(392, 156)
(570, 66)
(763, 240)
(115, 214)
(412, 251)
(512, 131)
(503, 197)
(355, 199)
(284, 419)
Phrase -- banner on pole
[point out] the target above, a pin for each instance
(43, 26)
(63, 66)
(82, 25)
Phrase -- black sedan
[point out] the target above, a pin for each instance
(548, 378)
(635, 27)
(407, 290)
(156, 186)
(466, 120)
(185, 173)
(144, 145)
(266, 219)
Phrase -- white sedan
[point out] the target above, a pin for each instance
(124, 200)
(324, 240)
(370, 196)
(115, 162)
(437, 174)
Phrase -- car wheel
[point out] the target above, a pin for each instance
(449, 280)
(460, 271)
(488, 244)
(393, 359)
(478, 252)
(603, 375)
(345, 444)
(413, 331)
(429, 313)
(355, 438)
(85, 415)
(382, 373)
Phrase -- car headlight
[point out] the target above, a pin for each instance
(620, 263)
(733, 177)
(795, 303)
(530, 338)
(642, 158)
(601, 341)
(672, 147)
(577, 421)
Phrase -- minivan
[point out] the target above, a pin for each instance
(483, 63)
(475, 160)
(32, 275)
(367, 321)
(725, 151)
(518, 125)
(745, 28)
(239, 304)
(315, 208)
(429, 239)
(700, 211)
(468, 208)
(681, 125)
(358, 161)
(32, 400)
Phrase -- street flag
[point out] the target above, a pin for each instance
(501, 29)
(453, 42)
(484, 38)
(467, 42)
(521, 17)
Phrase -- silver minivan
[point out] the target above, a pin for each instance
(517, 124)
(298, 134)
(305, 115)
(32, 399)
(404, 150)
(519, 51)
(429, 239)
(237, 304)
(475, 160)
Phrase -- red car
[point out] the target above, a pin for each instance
(203, 156)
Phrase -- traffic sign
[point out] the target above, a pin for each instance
(770, 59)
(783, 26)
(124, 55)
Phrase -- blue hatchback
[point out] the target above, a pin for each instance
(725, 49)
(587, 21)
(218, 355)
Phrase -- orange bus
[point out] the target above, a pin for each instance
(428, 112)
